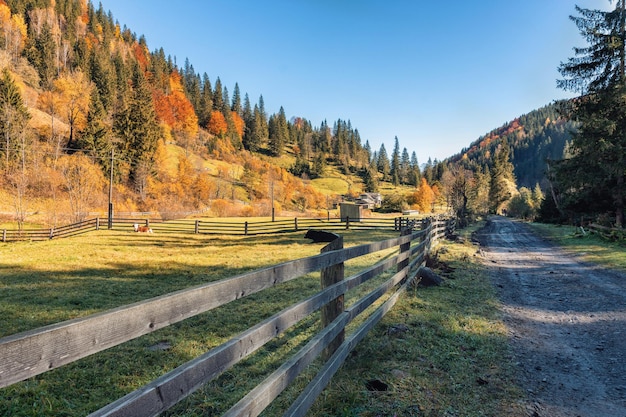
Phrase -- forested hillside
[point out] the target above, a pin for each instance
(88, 111)
(534, 138)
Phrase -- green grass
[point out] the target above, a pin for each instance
(455, 338)
(452, 361)
(46, 282)
(589, 247)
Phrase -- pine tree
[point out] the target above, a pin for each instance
(405, 166)
(136, 125)
(395, 163)
(502, 179)
(415, 175)
(236, 105)
(206, 101)
(382, 163)
(96, 138)
(593, 180)
(218, 98)
(13, 118)
(278, 133)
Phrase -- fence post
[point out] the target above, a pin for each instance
(295, 222)
(51, 232)
(245, 228)
(97, 223)
(4, 235)
(147, 222)
(347, 222)
(329, 276)
(404, 248)
(197, 227)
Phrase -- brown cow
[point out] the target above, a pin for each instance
(142, 229)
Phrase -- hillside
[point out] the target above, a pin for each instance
(534, 138)
(84, 100)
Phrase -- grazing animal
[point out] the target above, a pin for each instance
(142, 229)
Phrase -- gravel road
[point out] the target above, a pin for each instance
(566, 321)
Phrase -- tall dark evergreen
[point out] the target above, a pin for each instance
(395, 163)
(137, 127)
(13, 118)
(592, 181)
(96, 137)
(236, 104)
(382, 163)
(278, 133)
(41, 54)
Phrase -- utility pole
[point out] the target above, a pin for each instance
(110, 223)
(272, 194)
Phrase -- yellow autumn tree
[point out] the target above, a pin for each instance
(13, 31)
(423, 198)
(74, 92)
(217, 124)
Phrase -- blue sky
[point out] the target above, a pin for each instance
(436, 74)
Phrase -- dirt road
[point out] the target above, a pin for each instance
(566, 321)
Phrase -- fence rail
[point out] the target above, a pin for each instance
(243, 228)
(34, 352)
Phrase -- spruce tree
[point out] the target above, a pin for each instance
(383, 162)
(136, 125)
(395, 163)
(592, 181)
(502, 179)
(13, 119)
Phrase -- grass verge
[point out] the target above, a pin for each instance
(588, 246)
(451, 359)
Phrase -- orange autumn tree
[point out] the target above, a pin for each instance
(175, 109)
(217, 124)
(185, 119)
(239, 123)
(423, 198)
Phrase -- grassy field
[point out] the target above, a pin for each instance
(451, 361)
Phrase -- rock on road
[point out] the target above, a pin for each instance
(566, 321)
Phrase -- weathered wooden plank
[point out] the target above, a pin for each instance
(307, 397)
(30, 353)
(263, 394)
(184, 380)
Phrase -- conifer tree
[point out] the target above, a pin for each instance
(218, 98)
(382, 163)
(395, 163)
(136, 125)
(236, 105)
(13, 118)
(96, 137)
(502, 178)
(593, 179)
(206, 101)
(278, 133)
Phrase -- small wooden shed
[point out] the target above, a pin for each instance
(350, 210)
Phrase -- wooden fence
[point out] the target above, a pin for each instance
(30, 353)
(207, 227)
(609, 233)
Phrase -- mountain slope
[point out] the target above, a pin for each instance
(535, 137)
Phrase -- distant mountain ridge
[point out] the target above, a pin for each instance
(534, 138)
